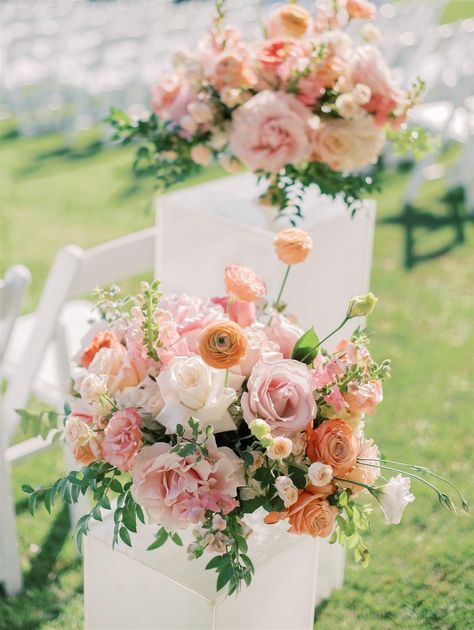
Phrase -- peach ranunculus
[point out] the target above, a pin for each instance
(271, 130)
(292, 245)
(176, 491)
(290, 20)
(364, 473)
(103, 339)
(243, 284)
(122, 439)
(222, 344)
(361, 9)
(363, 398)
(333, 443)
(191, 315)
(284, 333)
(369, 67)
(281, 393)
(232, 70)
(347, 145)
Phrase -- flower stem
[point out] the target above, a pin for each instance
(280, 293)
(226, 377)
(404, 472)
(371, 489)
(346, 319)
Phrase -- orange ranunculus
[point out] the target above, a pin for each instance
(292, 245)
(290, 20)
(243, 284)
(222, 344)
(333, 443)
(103, 339)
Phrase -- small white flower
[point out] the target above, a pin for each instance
(347, 106)
(200, 112)
(188, 124)
(362, 93)
(395, 497)
(230, 96)
(218, 139)
(201, 155)
(320, 474)
(254, 489)
(92, 388)
(280, 448)
(286, 489)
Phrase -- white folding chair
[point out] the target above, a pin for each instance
(38, 358)
(12, 292)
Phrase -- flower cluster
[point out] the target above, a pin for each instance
(216, 408)
(307, 104)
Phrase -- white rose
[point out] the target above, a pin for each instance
(200, 112)
(201, 155)
(347, 145)
(280, 448)
(145, 396)
(348, 107)
(362, 93)
(299, 441)
(92, 388)
(395, 497)
(320, 474)
(287, 491)
(107, 362)
(77, 432)
(189, 387)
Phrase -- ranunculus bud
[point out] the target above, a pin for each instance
(222, 344)
(361, 305)
(259, 429)
(292, 245)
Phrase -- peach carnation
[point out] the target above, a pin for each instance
(103, 339)
(223, 344)
(292, 245)
(243, 284)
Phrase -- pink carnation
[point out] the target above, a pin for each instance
(281, 393)
(123, 439)
(271, 130)
(176, 491)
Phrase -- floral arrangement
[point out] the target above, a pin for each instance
(191, 413)
(305, 105)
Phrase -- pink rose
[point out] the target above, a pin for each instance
(171, 97)
(270, 130)
(370, 68)
(281, 393)
(191, 315)
(176, 491)
(283, 333)
(363, 397)
(258, 346)
(123, 439)
(310, 88)
(243, 313)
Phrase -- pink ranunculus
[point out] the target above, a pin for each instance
(243, 313)
(271, 130)
(122, 439)
(363, 397)
(176, 491)
(171, 97)
(362, 9)
(283, 333)
(191, 315)
(279, 57)
(370, 68)
(281, 393)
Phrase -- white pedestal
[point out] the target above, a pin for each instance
(201, 229)
(135, 589)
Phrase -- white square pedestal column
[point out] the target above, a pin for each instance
(135, 589)
(201, 229)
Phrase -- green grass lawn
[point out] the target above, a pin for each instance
(422, 572)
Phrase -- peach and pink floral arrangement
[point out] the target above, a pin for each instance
(189, 413)
(307, 104)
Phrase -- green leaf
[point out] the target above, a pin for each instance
(27, 488)
(140, 514)
(124, 535)
(160, 539)
(224, 576)
(32, 501)
(130, 520)
(176, 538)
(214, 563)
(306, 348)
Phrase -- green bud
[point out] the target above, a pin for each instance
(259, 429)
(266, 441)
(361, 305)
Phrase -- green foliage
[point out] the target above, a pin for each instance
(306, 348)
(352, 524)
(148, 299)
(415, 140)
(109, 304)
(44, 423)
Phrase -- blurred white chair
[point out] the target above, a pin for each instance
(12, 292)
(38, 357)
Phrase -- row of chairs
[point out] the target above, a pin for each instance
(35, 357)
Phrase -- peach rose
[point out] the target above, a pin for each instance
(333, 443)
(122, 439)
(347, 145)
(361, 9)
(290, 20)
(312, 515)
(222, 345)
(103, 339)
(364, 473)
(271, 130)
(292, 245)
(243, 284)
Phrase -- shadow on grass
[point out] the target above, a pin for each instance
(41, 159)
(320, 609)
(39, 602)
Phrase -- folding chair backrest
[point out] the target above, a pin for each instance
(74, 272)
(13, 288)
